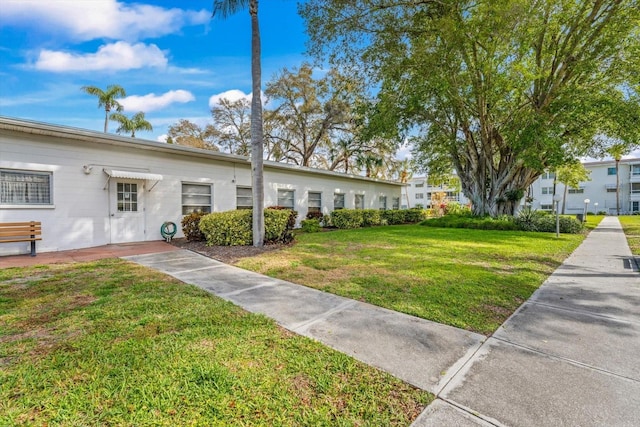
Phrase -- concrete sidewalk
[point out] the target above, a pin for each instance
(570, 356)
(418, 351)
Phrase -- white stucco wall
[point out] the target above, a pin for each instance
(80, 215)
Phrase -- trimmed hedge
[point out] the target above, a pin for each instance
(347, 218)
(191, 226)
(356, 218)
(393, 217)
(234, 228)
(529, 221)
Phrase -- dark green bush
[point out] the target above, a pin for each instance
(347, 218)
(393, 217)
(191, 226)
(371, 217)
(568, 225)
(310, 225)
(477, 223)
(234, 228)
(415, 215)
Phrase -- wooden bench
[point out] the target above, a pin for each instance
(21, 232)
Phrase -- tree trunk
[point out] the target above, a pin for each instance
(618, 186)
(106, 118)
(257, 145)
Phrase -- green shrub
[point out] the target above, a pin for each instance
(234, 228)
(475, 222)
(455, 208)
(230, 228)
(547, 223)
(191, 226)
(278, 225)
(347, 218)
(371, 217)
(393, 217)
(293, 215)
(528, 219)
(310, 225)
(415, 215)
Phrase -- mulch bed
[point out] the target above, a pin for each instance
(226, 254)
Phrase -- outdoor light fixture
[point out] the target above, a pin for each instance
(595, 208)
(586, 206)
(556, 200)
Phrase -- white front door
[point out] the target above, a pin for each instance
(126, 211)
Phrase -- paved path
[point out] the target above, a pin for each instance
(418, 351)
(570, 356)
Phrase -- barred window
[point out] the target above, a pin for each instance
(25, 187)
(338, 201)
(196, 198)
(359, 201)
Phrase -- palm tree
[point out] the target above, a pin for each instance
(226, 8)
(107, 99)
(137, 122)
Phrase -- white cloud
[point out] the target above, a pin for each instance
(162, 138)
(152, 102)
(114, 56)
(89, 20)
(232, 95)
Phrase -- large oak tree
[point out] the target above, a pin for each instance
(499, 89)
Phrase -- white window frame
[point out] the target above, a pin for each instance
(358, 201)
(635, 188)
(286, 195)
(244, 197)
(314, 204)
(338, 197)
(579, 190)
(419, 196)
(419, 184)
(547, 190)
(6, 184)
(546, 207)
(127, 196)
(189, 206)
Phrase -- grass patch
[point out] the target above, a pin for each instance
(472, 279)
(111, 343)
(631, 227)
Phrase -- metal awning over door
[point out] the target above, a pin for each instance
(144, 176)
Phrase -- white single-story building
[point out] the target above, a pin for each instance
(90, 188)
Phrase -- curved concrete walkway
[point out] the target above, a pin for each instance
(569, 356)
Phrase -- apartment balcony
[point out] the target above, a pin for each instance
(634, 173)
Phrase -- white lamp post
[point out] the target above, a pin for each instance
(595, 208)
(556, 200)
(586, 206)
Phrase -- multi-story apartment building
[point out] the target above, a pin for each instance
(419, 190)
(600, 191)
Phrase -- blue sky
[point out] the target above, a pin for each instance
(169, 55)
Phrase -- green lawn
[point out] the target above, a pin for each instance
(472, 279)
(111, 343)
(631, 226)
